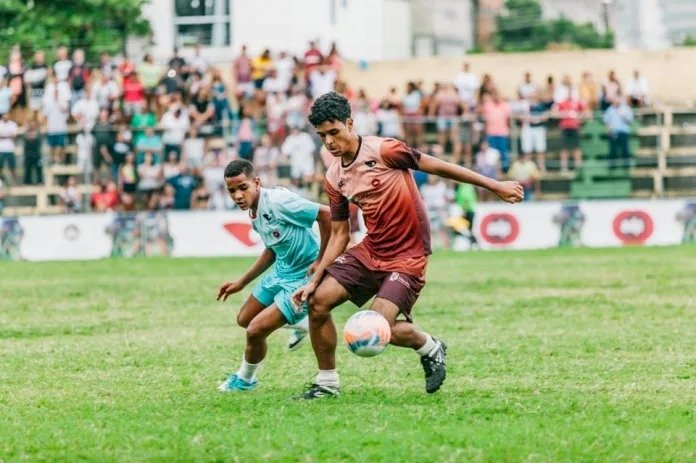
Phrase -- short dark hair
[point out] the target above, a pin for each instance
(238, 167)
(330, 107)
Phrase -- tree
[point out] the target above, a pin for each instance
(94, 25)
(523, 28)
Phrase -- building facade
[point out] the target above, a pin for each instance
(363, 29)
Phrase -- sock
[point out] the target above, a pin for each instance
(327, 378)
(247, 371)
(302, 325)
(429, 346)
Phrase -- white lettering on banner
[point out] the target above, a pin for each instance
(211, 233)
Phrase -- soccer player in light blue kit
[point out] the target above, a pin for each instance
(284, 220)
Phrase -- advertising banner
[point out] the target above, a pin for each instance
(229, 233)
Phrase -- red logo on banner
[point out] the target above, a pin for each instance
(241, 231)
(499, 228)
(633, 227)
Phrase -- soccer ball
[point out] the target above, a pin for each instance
(367, 333)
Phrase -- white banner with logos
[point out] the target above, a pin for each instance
(585, 223)
(202, 233)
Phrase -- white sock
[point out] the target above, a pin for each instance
(429, 346)
(247, 371)
(302, 325)
(327, 378)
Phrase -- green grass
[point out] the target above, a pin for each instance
(560, 355)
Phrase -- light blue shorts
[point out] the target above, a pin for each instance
(274, 288)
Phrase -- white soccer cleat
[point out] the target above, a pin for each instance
(295, 339)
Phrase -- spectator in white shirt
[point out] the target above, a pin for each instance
(194, 149)
(322, 80)
(6, 97)
(62, 66)
(285, 68)
(467, 84)
(436, 196)
(566, 90)
(638, 90)
(64, 92)
(199, 63)
(56, 112)
(175, 124)
(106, 91)
(8, 133)
(299, 148)
(86, 111)
(388, 120)
(527, 88)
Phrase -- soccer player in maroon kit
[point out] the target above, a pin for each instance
(390, 263)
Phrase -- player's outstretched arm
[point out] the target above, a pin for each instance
(508, 191)
(340, 237)
(262, 264)
(324, 222)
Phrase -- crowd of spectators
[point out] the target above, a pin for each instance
(152, 135)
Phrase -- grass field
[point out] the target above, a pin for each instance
(560, 355)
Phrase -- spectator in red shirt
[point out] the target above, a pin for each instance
(133, 94)
(571, 112)
(312, 59)
(106, 198)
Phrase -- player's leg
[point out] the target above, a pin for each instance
(258, 330)
(397, 294)
(244, 378)
(328, 295)
(322, 331)
(347, 278)
(251, 308)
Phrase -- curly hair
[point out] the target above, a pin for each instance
(238, 167)
(330, 107)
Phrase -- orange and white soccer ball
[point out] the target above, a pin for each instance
(367, 333)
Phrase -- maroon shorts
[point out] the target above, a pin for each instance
(362, 283)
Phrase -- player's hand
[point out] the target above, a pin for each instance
(510, 192)
(302, 294)
(313, 267)
(229, 288)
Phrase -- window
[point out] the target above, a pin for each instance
(202, 21)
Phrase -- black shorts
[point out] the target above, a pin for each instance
(362, 283)
(571, 139)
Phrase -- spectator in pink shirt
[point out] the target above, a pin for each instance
(242, 73)
(496, 114)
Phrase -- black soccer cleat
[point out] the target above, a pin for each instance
(434, 367)
(317, 391)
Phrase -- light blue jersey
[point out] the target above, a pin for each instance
(285, 220)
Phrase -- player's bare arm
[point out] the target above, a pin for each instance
(324, 222)
(262, 264)
(340, 237)
(508, 191)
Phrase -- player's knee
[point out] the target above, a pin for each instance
(256, 332)
(318, 308)
(242, 320)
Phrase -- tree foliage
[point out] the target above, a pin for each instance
(523, 28)
(94, 25)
